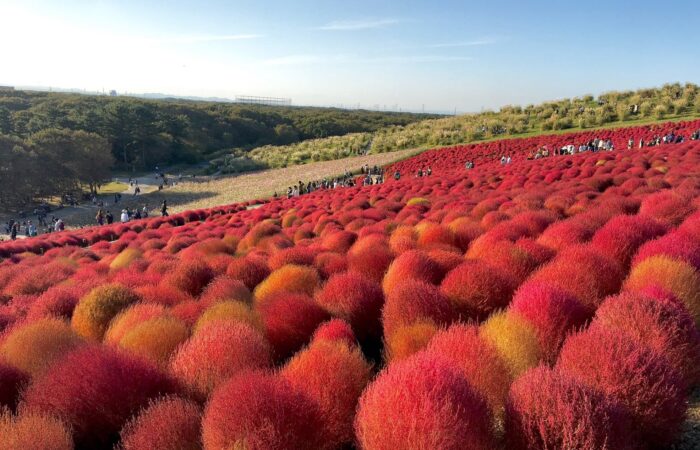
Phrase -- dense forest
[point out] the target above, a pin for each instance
(144, 133)
(646, 105)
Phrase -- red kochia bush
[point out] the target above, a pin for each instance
(335, 330)
(58, 301)
(632, 374)
(250, 270)
(225, 288)
(479, 361)
(621, 236)
(677, 245)
(169, 423)
(333, 375)
(12, 380)
(552, 312)
(289, 321)
(95, 390)
(667, 206)
(413, 265)
(190, 276)
(547, 409)
(414, 301)
(424, 402)
(476, 289)
(269, 414)
(371, 262)
(217, 352)
(584, 273)
(663, 325)
(356, 299)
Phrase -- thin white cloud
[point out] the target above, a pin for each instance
(291, 60)
(474, 43)
(208, 38)
(354, 25)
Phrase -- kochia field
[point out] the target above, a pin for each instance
(544, 304)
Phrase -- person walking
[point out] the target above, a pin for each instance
(164, 209)
(14, 229)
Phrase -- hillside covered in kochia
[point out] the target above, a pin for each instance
(144, 133)
(630, 107)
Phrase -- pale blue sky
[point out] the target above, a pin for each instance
(443, 54)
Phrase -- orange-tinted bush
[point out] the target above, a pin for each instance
(218, 352)
(94, 311)
(33, 431)
(675, 276)
(408, 339)
(155, 339)
(291, 278)
(478, 360)
(129, 318)
(36, 345)
(423, 402)
(333, 375)
(227, 312)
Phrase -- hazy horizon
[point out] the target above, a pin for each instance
(413, 55)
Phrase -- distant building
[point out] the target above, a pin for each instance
(112, 93)
(7, 88)
(271, 101)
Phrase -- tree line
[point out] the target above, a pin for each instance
(144, 133)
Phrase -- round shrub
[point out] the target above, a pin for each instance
(34, 431)
(290, 278)
(289, 321)
(227, 311)
(225, 288)
(12, 381)
(162, 295)
(190, 276)
(372, 262)
(677, 277)
(36, 345)
(95, 390)
(125, 258)
(663, 325)
(218, 352)
(422, 402)
(584, 273)
(515, 339)
(58, 301)
(335, 330)
(269, 413)
(168, 423)
(547, 409)
(156, 339)
(408, 339)
(667, 206)
(333, 375)
(356, 299)
(476, 289)
(411, 265)
(414, 301)
(552, 312)
(632, 374)
(129, 318)
(94, 311)
(478, 360)
(251, 271)
(621, 236)
(675, 245)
